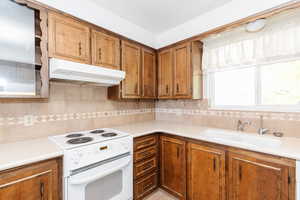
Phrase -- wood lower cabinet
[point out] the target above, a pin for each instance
(259, 178)
(39, 181)
(145, 166)
(69, 39)
(165, 74)
(206, 173)
(182, 71)
(173, 166)
(105, 50)
(148, 74)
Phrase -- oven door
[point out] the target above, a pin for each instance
(111, 180)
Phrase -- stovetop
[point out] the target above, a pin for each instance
(83, 138)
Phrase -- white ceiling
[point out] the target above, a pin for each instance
(158, 16)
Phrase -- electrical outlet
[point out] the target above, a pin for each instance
(28, 120)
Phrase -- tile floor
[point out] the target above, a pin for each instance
(160, 195)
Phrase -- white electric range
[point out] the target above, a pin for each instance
(97, 165)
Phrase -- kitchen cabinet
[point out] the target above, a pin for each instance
(145, 165)
(173, 166)
(32, 182)
(259, 177)
(206, 172)
(148, 74)
(105, 50)
(179, 72)
(165, 74)
(69, 39)
(131, 55)
(182, 71)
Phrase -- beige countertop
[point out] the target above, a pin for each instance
(288, 147)
(30, 151)
(26, 152)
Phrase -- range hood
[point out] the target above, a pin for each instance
(83, 73)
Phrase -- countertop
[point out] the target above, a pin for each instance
(26, 152)
(30, 151)
(289, 147)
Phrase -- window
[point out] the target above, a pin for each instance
(267, 87)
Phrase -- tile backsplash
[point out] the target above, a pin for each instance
(197, 112)
(73, 108)
(70, 108)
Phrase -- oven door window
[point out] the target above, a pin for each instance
(105, 188)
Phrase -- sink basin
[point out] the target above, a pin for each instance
(245, 139)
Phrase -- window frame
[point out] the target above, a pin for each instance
(210, 95)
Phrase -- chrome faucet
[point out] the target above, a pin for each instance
(262, 130)
(241, 125)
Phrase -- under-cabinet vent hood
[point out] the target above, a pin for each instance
(83, 73)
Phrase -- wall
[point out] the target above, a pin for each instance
(230, 12)
(196, 112)
(69, 108)
(93, 13)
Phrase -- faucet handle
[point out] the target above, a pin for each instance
(278, 134)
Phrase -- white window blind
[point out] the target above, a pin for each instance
(255, 71)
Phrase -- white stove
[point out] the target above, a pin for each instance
(97, 163)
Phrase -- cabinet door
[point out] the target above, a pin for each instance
(131, 65)
(148, 74)
(165, 74)
(173, 166)
(182, 71)
(254, 179)
(105, 50)
(206, 173)
(39, 181)
(68, 39)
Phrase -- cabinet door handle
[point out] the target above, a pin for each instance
(167, 89)
(100, 54)
(79, 48)
(147, 166)
(178, 152)
(177, 88)
(42, 188)
(136, 88)
(240, 172)
(214, 164)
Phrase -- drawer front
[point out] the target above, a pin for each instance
(145, 167)
(145, 186)
(144, 142)
(145, 153)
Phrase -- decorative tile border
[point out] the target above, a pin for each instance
(29, 120)
(230, 114)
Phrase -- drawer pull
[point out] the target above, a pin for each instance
(79, 48)
(146, 143)
(100, 54)
(148, 186)
(147, 166)
(146, 153)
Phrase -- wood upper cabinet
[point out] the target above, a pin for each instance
(68, 39)
(148, 74)
(131, 64)
(173, 166)
(206, 173)
(105, 50)
(263, 178)
(182, 71)
(165, 74)
(33, 182)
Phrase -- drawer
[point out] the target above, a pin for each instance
(145, 153)
(145, 167)
(145, 186)
(144, 142)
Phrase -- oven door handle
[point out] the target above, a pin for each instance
(87, 180)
